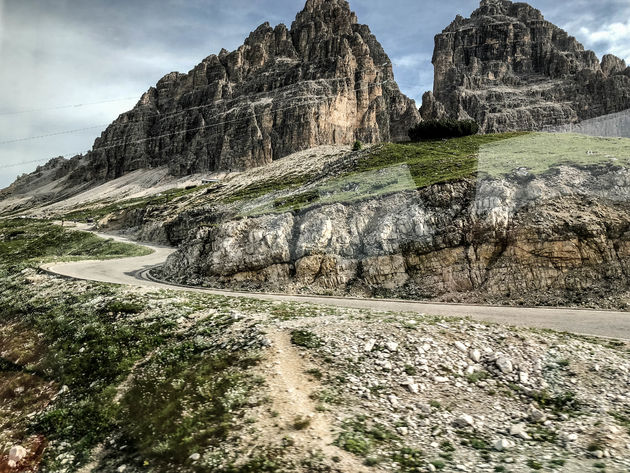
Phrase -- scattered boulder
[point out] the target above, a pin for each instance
(474, 355)
(461, 347)
(504, 364)
(503, 444)
(463, 421)
(520, 430)
(16, 454)
(536, 415)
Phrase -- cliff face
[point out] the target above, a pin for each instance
(559, 238)
(510, 69)
(326, 80)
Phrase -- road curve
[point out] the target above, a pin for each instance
(133, 271)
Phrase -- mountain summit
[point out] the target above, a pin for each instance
(510, 69)
(325, 81)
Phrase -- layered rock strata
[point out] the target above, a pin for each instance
(563, 237)
(510, 69)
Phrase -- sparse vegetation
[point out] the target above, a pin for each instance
(305, 338)
(534, 465)
(360, 436)
(561, 403)
(477, 376)
(411, 460)
(98, 210)
(25, 241)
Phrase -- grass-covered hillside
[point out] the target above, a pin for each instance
(26, 242)
(327, 176)
(395, 167)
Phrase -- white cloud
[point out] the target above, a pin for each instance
(615, 36)
(412, 60)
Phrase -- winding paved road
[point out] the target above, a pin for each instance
(133, 271)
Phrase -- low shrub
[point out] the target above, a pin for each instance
(441, 129)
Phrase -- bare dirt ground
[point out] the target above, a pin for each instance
(292, 408)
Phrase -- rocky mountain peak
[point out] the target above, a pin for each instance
(324, 8)
(499, 8)
(510, 69)
(326, 81)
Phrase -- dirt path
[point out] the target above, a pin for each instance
(290, 388)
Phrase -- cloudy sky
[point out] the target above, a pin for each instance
(77, 64)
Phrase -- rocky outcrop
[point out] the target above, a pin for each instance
(326, 80)
(510, 69)
(562, 237)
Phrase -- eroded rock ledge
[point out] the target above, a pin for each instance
(562, 238)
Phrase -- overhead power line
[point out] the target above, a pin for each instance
(157, 115)
(161, 116)
(61, 107)
(125, 143)
(66, 132)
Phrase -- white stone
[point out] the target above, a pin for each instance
(503, 444)
(121, 468)
(369, 345)
(519, 430)
(465, 420)
(536, 415)
(440, 379)
(391, 346)
(475, 355)
(569, 437)
(16, 454)
(195, 456)
(504, 364)
(523, 377)
(461, 347)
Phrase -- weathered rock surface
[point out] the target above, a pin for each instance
(510, 69)
(561, 237)
(326, 80)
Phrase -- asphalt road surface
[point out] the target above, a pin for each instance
(134, 271)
